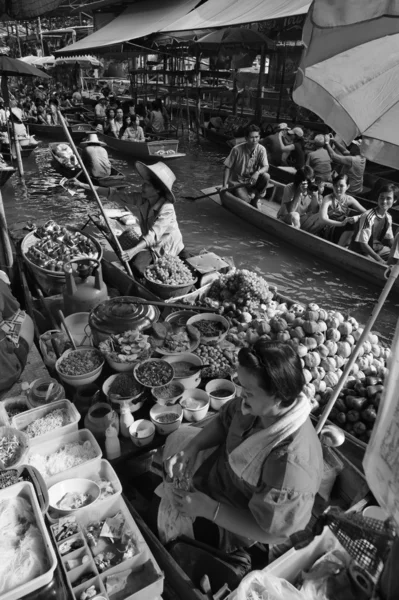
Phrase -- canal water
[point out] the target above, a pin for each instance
(205, 225)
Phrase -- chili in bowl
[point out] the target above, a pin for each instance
(154, 372)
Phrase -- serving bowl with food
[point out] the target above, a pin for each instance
(168, 394)
(220, 391)
(53, 341)
(123, 350)
(170, 338)
(195, 404)
(213, 328)
(81, 366)
(166, 418)
(184, 368)
(169, 277)
(123, 387)
(153, 372)
(70, 495)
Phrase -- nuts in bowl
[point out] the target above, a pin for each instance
(153, 372)
(81, 366)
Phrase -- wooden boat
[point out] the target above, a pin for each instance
(266, 220)
(5, 175)
(26, 150)
(163, 150)
(116, 179)
(78, 131)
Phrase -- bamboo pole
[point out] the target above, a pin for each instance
(93, 189)
(393, 275)
(259, 93)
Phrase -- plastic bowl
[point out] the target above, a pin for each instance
(156, 361)
(82, 486)
(195, 414)
(220, 384)
(142, 432)
(121, 367)
(166, 428)
(205, 339)
(78, 380)
(116, 404)
(78, 325)
(190, 381)
(165, 291)
(159, 393)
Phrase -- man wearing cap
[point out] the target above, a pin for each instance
(76, 96)
(100, 111)
(247, 164)
(95, 157)
(353, 165)
(319, 159)
(40, 93)
(279, 144)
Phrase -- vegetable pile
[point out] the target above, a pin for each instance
(53, 420)
(124, 386)
(66, 457)
(126, 347)
(80, 363)
(57, 245)
(154, 373)
(169, 270)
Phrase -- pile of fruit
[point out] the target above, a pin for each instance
(220, 367)
(169, 270)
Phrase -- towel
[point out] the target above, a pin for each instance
(247, 459)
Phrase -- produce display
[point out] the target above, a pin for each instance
(173, 338)
(124, 386)
(154, 373)
(22, 548)
(172, 390)
(169, 270)
(13, 410)
(57, 245)
(53, 420)
(221, 365)
(80, 363)
(66, 457)
(193, 403)
(126, 347)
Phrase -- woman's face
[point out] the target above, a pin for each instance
(340, 187)
(149, 191)
(137, 120)
(112, 114)
(303, 187)
(128, 121)
(255, 400)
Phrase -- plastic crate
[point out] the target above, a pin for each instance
(20, 400)
(51, 446)
(22, 421)
(94, 472)
(27, 491)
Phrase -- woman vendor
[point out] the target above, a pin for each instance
(160, 233)
(16, 336)
(260, 482)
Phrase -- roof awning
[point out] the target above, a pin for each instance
(137, 21)
(220, 13)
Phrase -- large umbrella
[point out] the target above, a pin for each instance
(14, 66)
(349, 75)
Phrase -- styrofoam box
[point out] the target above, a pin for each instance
(289, 565)
(26, 490)
(51, 446)
(94, 472)
(4, 418)
(22, 421)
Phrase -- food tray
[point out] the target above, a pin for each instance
(94, 472)
(4, 418)
(27, 491)
(21, 421)
(102, 510)
(51, 446)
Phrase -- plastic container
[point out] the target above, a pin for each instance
(206, 339)
(191, 381)
(40, 393)
(51, 446)
(166, 428)
(79, 380)
(99, 417)
(85, 396)
(22, 421)
(375, 512)
(7, 403)
(79, 485)
(78, 325)
(27, 491)
(220, 384)
(197, 396)
(126, 420)
(112, 444)
(142, 432)
(169, 291)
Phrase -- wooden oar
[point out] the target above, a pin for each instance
(93, 189)
(217, 190)
(176, 305)
(393, 275)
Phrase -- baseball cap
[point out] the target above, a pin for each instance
(281, 126)
(297, 131)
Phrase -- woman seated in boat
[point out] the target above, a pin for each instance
(109, 122)
(41, 115)
(95, 157)
(336, 223)
(52, 116)
(132, 130)
(157, 121)
(117, 123)
(16, 336)
(254, 470)
(297, 200)
(373, 235)
(143, 113)
(64, 101)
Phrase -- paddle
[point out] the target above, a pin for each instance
(93, 189)
(206, 309)
(393, 275)
(61, 315)
(217, 190)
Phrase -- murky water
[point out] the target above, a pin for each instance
(205, 225)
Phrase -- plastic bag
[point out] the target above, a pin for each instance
(260, 585)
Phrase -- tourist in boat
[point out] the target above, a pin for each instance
(297, 199)
(132, 130)
(336, 224)
(247, 164)
(52, 116)
(95, 157)
(254, 471)
(76, 96)
(39, 93)
(157, 121)
(41, 115)
(319, 159)
(143, 114)
(373, 235)
(118, 123)
(64, 101)
(353, 165)
(297, 156)
(16, 336)
(109, 122)
(100, 111)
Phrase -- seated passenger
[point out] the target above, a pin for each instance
(310, 221)
(132, 130)
(373, 234)
(297, 200)
(319, 159)
(336, 224)
(276, 145)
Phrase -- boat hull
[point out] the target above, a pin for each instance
(78, 131)
(145, 151)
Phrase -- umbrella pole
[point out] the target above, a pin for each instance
(13, 137)
(393, 275)
(93, 189)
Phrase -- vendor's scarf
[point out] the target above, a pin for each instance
(247, 459)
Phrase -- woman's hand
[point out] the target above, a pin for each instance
(181, 465)
(194, 504)
(127, 255)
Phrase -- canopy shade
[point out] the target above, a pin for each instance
(220, 13)
(354, 90)
(14, 66)
(138, 20)
(234, 38)
(38, 61)
(83, 61)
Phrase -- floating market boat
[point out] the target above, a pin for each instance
(5, 175)
(25, 149)
(266, 220)
(78, 131)
(163, 150)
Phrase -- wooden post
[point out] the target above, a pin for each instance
(259, 92)
(198, 99)
(280, 97)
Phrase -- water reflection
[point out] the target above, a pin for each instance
(205, 225)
